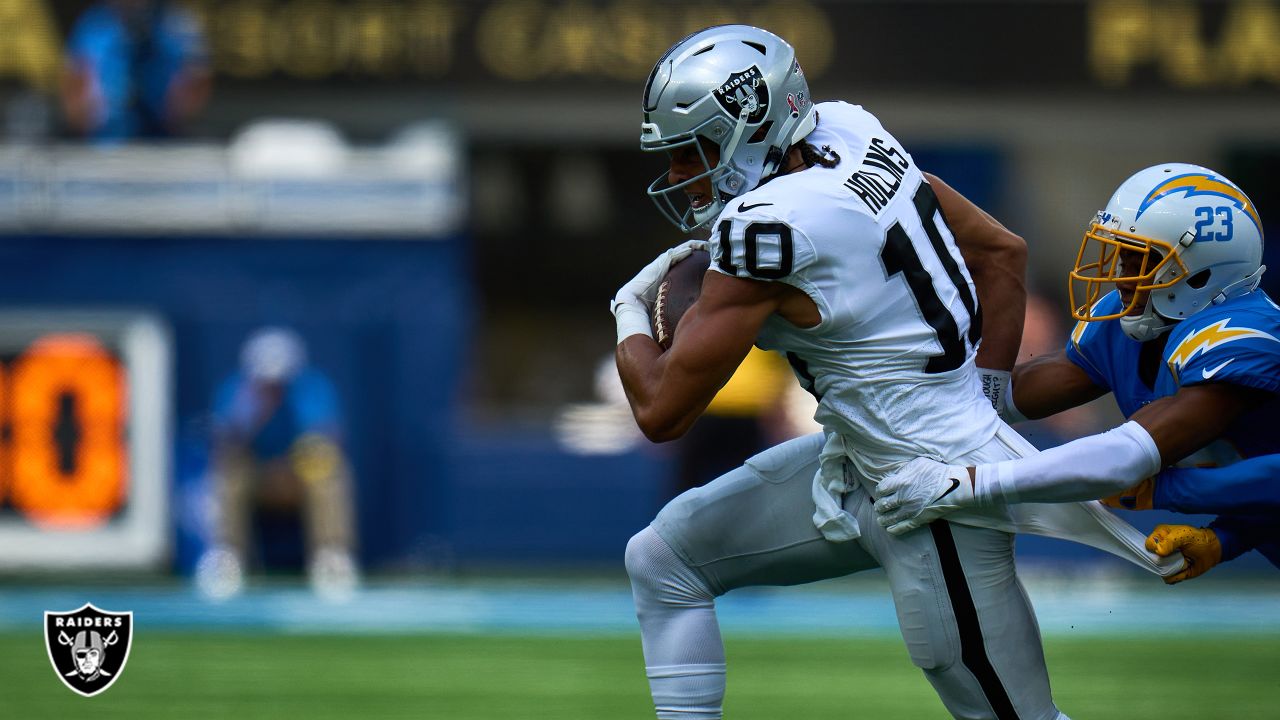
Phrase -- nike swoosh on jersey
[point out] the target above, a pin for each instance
(743, 207)
(954, 484)
(1207, 373)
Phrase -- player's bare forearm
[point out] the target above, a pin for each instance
(1002, 295)
(1099, 465)
(997, 261)
(1050, 384)
(643, 370)
(669, 390)
(1193, 417)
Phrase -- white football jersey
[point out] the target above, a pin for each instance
(891, 361)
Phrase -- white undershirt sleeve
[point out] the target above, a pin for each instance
(1086, 469)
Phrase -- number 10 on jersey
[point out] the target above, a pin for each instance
(901, 255)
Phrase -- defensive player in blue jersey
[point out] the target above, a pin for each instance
(1191, 350)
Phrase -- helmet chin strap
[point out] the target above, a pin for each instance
(1240, 287)
(729, 184)
(1150, 325)
(1147, 326)
(773, 160)
(734, 181)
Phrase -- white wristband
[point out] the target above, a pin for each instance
(997, 385)
(1086, 469)
(631, 321)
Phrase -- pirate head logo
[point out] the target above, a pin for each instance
(88, 647)
(745, 91)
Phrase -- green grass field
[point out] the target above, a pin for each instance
(243, 676)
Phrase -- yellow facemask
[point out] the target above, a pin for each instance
(1099, 269)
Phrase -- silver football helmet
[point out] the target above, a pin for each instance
(738, 87)
(1200, 241)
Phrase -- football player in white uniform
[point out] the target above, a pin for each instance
(829, 245)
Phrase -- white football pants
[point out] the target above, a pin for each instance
(964, 615)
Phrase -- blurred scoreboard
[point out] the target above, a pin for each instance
(493, 45)
(84, 439)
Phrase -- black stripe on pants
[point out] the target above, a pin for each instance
(973, 651)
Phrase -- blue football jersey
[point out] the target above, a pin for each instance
(1236, 342)
(1109, 357)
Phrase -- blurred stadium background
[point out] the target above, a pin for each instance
(435, 199)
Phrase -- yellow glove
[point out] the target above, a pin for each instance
(1138, 497)
(1199, 546)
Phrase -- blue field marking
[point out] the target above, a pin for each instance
(505, 607)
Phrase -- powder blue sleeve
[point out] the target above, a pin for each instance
(1081, 357)
(1091, 344)
(1254, 363)
(1251, 485)
(1239, 534)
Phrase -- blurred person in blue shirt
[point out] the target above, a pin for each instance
(135, 69)
(277, 446)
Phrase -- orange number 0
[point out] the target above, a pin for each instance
(67, 410)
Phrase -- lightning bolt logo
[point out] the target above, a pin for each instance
(1202, 184)
(1208, 338)
(1078, 332)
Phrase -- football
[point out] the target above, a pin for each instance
(677, 293)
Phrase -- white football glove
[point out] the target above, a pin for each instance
(920, 492)
(634, 300)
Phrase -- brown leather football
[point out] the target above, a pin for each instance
(677, 293)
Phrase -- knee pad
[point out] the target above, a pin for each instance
(926, 629)
(683, 655)
(659, 574)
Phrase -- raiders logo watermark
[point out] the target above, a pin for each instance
(88, 647)
(744, 91)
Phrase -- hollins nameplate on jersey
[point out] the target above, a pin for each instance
(880, 176)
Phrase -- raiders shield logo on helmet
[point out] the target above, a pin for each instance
(747, 91)
(88, 647)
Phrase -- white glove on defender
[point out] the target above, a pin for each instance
(633, 301)
(920, 492)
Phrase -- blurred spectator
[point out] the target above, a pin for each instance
(277, 447)
(749, 414)
(135, 69)
(605, 425)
